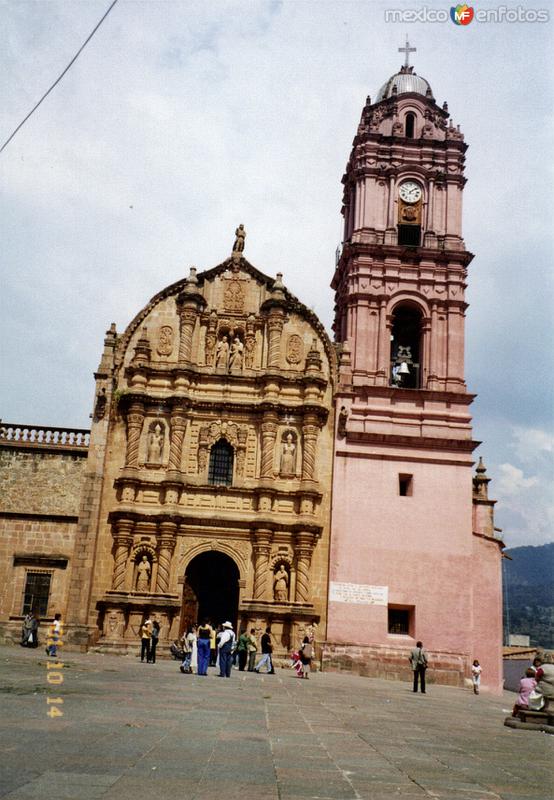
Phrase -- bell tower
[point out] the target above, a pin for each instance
(403, 548)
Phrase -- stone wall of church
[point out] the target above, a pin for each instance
(40, 484)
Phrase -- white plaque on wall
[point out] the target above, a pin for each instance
(359, 593)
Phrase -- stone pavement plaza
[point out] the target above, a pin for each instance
(132, 730)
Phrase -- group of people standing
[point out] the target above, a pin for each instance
(149, 637)
(204, 645)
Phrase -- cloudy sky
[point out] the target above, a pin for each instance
(182, 119)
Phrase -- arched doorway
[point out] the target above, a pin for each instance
(211, 589)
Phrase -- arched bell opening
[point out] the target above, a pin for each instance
(211, 590)
(406, 347)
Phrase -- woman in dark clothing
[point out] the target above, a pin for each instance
(154, 640)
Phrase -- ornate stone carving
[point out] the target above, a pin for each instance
(166, 547)
(188, 320)
(295, 349)
(261, 546)
(303, 549)
(233, 296)
(122, 540)
(269, 434)
(275, 328)
(165, 340)
(249, 342)
(178, 427)
(211, 339)
(310, 432)
(135, 420)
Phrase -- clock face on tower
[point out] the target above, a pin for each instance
(410, 192)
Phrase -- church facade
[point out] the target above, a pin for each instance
(242, 466)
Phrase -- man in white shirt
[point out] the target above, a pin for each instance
(226, 642)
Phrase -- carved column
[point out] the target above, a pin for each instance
(166, 546)
(135, 420)
(178, 427)
(310, 430)
(304, 549)
(203, 449)
(262, 549)
(275, 328)
(211, 339)
(189, 314)
(269, 434)
(241, 451)
(123, 541)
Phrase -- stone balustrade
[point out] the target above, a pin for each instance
(43, 436)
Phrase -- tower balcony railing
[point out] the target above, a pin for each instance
(43, 436)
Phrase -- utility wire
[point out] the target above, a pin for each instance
(73, 60)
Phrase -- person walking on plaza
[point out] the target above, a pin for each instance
(225, 646)
(252, 649)
(203, 637)
(154, 640)
(53, 641)
(476, 670)
(419, 661)
(145, 637)
(242, 649)
(267, 650)
(306, 656)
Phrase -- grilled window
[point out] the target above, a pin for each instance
(37, 592)
(221, 464)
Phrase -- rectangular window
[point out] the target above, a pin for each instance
(400, 620)
(409, 235)
(405, 485)
(37, 592)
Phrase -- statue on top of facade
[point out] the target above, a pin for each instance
(240, 236)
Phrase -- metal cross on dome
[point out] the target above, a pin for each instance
(407, 49)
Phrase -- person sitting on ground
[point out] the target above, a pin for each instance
(526, 686)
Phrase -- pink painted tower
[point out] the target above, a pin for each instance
(414, 552)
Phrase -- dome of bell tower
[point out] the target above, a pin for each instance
(403, 82)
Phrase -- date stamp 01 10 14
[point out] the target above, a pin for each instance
(54, 674)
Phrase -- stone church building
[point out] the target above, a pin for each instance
(241, 465)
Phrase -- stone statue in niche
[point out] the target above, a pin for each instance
(236, 355)
(222, 353)
(288, 455)
(281, 585)
(155, 444)
(144, 572)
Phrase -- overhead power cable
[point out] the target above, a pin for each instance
(45, 95)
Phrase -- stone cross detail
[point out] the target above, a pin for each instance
(407, 50)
